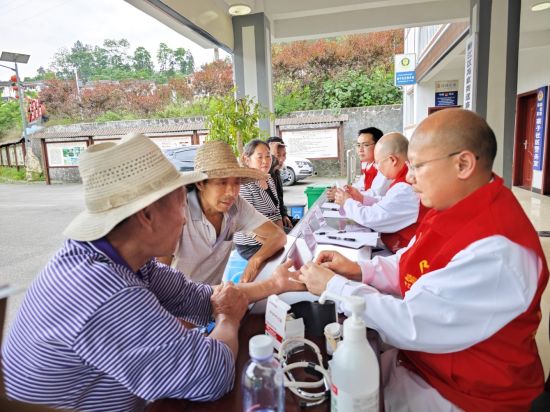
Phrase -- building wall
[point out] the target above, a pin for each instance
(534, 72)
(386, 118)
(533, 69)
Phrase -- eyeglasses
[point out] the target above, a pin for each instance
(377, 164)
(415, 167)
(363, 145)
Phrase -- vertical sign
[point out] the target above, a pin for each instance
(446, 93)
(469, 65)
(540, 121)
(405, 69)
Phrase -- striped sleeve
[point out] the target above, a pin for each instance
(178, 295)
(262, 202)
(133, 339)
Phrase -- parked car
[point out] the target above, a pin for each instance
(182, 157)
(296, 168)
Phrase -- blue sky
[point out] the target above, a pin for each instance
(43, 27)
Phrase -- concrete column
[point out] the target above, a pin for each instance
(252, 61)
(496, 25)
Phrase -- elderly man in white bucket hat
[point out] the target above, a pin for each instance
(216, 212)
(100, 329)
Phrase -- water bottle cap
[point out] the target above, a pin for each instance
(260, 347)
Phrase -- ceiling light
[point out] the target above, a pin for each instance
(541, 6)
(239, 9)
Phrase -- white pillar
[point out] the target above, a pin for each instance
(252, 61)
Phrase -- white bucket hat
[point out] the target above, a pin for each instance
(216, 159)
(121, 179)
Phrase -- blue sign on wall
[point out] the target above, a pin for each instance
(540, 122)
(446, 98)
(405, 78)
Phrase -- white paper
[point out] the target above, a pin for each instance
(360, 239)
(330, 206)
(335, 214)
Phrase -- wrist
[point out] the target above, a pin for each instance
(224, 319)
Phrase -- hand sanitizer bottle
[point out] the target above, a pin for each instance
(354, 368)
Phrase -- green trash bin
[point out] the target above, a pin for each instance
(313, 192)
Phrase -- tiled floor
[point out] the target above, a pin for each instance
(537, 208)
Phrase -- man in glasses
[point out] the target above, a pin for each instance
(370, 181)
(396, 214)
(461, 304)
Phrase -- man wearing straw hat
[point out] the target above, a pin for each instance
(99, 328)
(216, 212)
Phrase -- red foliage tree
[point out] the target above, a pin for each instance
(313, 61)
(60, 98)
(213, 79)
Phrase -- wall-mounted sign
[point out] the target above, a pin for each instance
(312, 143)
(540, 127)
(64, 154)
(446, 93)
(469, 73)
(405, 69)
(172, 142)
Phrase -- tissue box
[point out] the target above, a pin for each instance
(279, 324)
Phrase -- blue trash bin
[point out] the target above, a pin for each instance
(296, 211)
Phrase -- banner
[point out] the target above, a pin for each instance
(540, 127)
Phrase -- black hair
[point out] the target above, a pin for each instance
(251, 146)
(275, 139)
(375, 132)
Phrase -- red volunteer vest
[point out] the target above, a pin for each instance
(370, 174)
(504, 372)
(401, 238)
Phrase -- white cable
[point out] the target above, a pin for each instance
(296, 387)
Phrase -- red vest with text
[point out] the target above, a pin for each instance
(401, 238)
(503, 372)
(370, 174)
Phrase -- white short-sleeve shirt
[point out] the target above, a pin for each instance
(201, 255)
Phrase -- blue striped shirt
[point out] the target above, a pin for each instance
(92, 335)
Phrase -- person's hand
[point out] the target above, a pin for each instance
(251, 270)
(286, 280)
(354, 193)
(287, 222)
(330, 193)
(315, 277)
(339, 263)
(341, 196)
(228, 302)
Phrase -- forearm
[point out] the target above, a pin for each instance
(227, 331)
(270, 245)
(256, 291)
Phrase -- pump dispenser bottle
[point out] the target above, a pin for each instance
(354, 368)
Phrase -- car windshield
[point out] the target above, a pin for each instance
(182, 157)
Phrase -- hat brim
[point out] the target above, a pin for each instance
(246, 174)
(92, 226)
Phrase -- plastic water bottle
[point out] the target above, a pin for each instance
(262, 380)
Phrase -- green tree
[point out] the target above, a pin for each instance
(117, 53)
(184, 61)
(10, 116)
(356, 88)
(234, 121)
(166, 58)
(142, 61)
